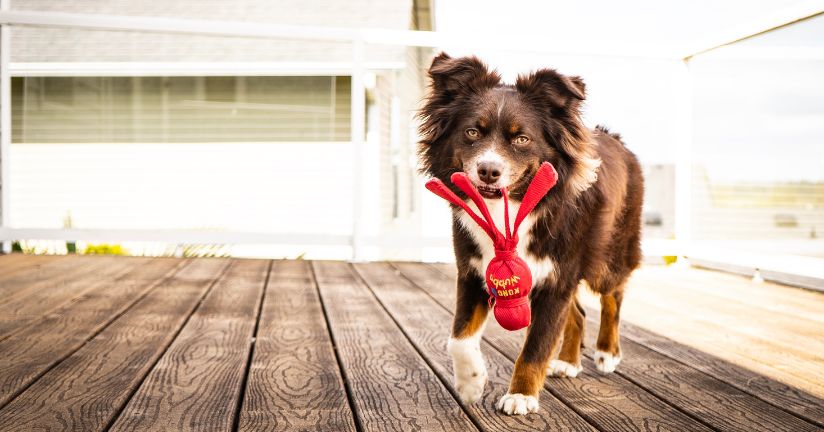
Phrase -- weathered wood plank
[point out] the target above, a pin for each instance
(427, 325)
(29, 353)
(294, 381)
(609, 402)
(729, 288)
(87, 389)
(779, 394)
(393, 389)
(15, 264)
(47, 276)
(802, 370)
(27, 308)
(196, 384)
(717, 403)
(787, 334)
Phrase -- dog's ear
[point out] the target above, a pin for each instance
(452, 79)
(558, 98)
(548, 85)
(453, 76)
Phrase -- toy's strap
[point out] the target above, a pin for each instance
(506, 212)
(439, 188)
(461, 180)
(544, 180)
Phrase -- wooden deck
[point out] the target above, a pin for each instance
(109, 343)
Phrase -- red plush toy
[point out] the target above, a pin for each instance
(508, 278)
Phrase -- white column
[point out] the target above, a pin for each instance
(358, 136)
(683, 164)
(5, 124)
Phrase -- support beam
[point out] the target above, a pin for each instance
(358, 134)
(683, 164)
(5, 124)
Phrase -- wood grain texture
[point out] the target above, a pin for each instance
(52, 337)
(689, 324)
(730, 288)
(294, 381)
(196, 384)
(428, 326)
(609, 402)
(14, 264)
(392, 387)
(717, 403)
(87, 389)
(789, 333)
(29, 308)
(47, 276)
(779, 394)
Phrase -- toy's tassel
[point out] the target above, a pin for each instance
(508, 278)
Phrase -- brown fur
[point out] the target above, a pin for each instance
(573, 336)
(588, 225)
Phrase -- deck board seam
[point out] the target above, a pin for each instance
(552, 391)
(102, 328)
(116, 414)
(350, 397)
(444, 380)
(253, 343)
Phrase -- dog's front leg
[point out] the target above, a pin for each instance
(465, 344)
(549, 309)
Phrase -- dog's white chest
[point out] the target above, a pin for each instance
(541, 269)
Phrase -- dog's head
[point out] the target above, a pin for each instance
(499, 134)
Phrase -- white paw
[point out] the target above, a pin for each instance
(470, 390)
(560, 368)
(517, 404)
(469, 367)
(606, 362)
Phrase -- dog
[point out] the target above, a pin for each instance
(586, 230)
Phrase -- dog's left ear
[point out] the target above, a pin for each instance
(548, 85)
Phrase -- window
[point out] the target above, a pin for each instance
(180, 109)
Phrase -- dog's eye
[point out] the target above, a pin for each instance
(473, 133)
(521, 139)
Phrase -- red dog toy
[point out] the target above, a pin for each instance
(508, 278)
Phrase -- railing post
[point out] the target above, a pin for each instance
(5, 125)
(358, 136)
(683, 163)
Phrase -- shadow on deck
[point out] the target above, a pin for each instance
(108, 343)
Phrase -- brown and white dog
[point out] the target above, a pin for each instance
(586, 229)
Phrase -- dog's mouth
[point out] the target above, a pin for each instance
(489, 192)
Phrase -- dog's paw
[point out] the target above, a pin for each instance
(470, 389)
(560, 368)
(517, 404)
(469, 367)
(606, 362)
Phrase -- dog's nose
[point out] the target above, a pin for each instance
(489, 172)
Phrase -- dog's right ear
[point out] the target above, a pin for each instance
(453, 76)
